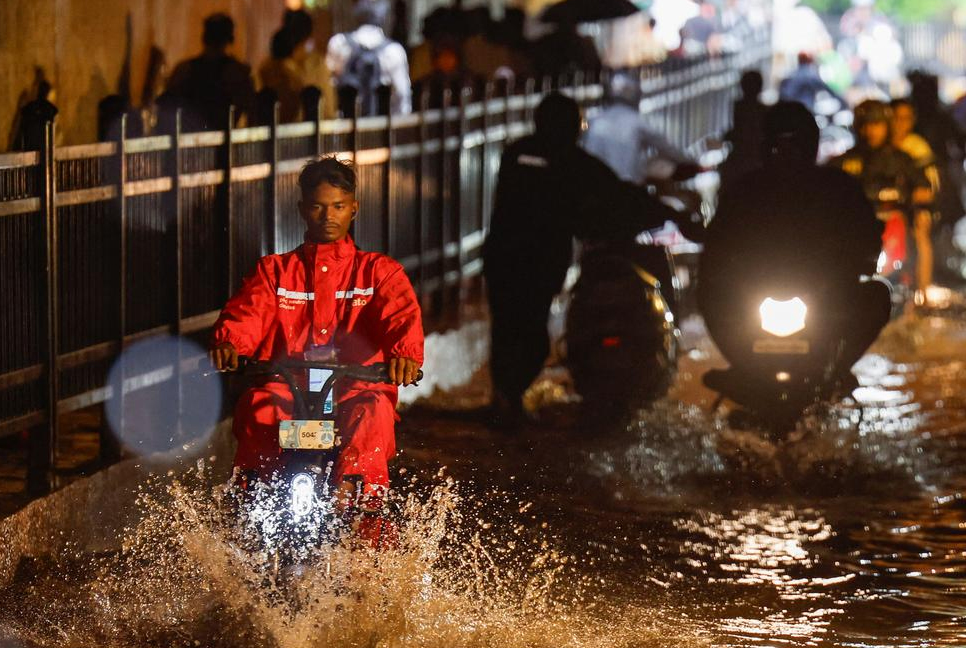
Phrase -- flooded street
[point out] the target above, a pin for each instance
(674, 530)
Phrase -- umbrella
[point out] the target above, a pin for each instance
(582, 11)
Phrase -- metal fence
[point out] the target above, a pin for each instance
(937, 47)
(105, 244)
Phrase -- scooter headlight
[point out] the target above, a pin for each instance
(782, 318)
(303, 494)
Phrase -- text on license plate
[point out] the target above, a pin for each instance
(783, 347)
(306, 435)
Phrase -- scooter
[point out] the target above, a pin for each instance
(291, 517)
(622, 339)
(621, 335)
(790, 336)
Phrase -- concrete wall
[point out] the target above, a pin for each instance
(80, 46)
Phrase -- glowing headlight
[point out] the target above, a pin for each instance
(782, 318)
(303, 494)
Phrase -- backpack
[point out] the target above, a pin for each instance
(363, 74)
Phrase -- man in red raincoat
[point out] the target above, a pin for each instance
(326, 292)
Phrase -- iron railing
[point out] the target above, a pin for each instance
(105, 244)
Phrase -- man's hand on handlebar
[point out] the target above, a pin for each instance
(224, 357)
(403, 371)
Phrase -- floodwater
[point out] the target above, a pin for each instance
(673, 530)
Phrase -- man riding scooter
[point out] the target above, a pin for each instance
(324, 297)
(783, 282)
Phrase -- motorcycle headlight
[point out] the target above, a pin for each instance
(303, 494)
(782, 318)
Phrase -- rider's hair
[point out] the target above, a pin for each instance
(902, 101)
(329, 170)
(219, 30)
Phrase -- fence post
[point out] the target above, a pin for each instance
(319, 144)
(458, 200)
(421, 197)
(488, 92)
(174, 170)
(528, 90)
(229, 219)
(271, 238)
(175, 209)
(110, 446)
(443, 175)
(356, 111)
(388, 217)
(43, 442)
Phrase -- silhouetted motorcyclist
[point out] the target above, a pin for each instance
(622, 137)
(791, 215)
(549, 190)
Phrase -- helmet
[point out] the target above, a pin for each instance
(624, 87)
(790, 131)
(871, 110)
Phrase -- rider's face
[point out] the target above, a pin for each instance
(903, 121)
(875, 133)
(328, 212)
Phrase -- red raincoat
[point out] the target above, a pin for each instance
(360, 302)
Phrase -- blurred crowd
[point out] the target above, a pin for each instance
(373, 70)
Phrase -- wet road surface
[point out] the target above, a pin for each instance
(672, 530)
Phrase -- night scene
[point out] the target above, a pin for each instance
(482, 323)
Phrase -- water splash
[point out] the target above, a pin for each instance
(672, 447)
(463, 574)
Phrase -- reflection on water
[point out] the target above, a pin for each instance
(676, 531)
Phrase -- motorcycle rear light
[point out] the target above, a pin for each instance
(610, 342)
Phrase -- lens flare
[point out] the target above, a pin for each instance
(157, 399)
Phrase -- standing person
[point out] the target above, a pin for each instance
(746, 136)
(33, 117)
(281, 75)
(947, 141)
(310, 60)
(366, 59)
(548, 191)
(917, 148)
(207, 85)
(565, 51)
(326, 293)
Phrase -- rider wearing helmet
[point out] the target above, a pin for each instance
(622, 137)
(792, 214)
(885, 172)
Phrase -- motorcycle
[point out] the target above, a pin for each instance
(790, 336)
(894, 262)
(290, 518)
(621, 335)
(622, 339)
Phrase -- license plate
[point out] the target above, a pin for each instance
(781, 347)
(306, 435)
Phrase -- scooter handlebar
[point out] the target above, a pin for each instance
(374, 373)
